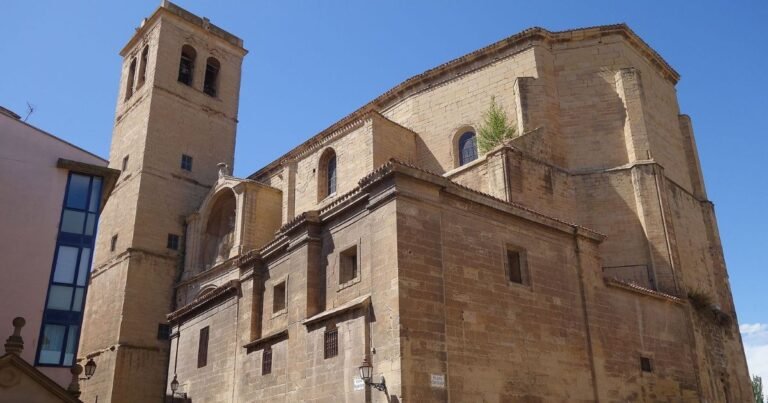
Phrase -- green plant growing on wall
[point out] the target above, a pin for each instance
(757, 389)
(495, 128)
(705, 305)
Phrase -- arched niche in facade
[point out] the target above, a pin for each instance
(218, 236)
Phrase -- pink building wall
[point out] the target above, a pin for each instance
(31, 195)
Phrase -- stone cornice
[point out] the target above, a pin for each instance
(283, 237)
(202, 24)
(614, 282)
(359, 302)
(274, 336)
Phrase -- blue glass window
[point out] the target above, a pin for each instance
(331, 172)
(186, 162)
(60, 330)
(467, 148)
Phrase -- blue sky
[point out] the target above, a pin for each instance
(312, 62)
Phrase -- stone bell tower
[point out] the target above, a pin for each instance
(176, 120)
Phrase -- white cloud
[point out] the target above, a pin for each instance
(755, 337)
(753, 328)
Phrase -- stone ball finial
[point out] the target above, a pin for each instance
(18, 323)
(76, 369)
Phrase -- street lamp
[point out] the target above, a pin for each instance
(90, 368)
(175, 387)
(366, 373)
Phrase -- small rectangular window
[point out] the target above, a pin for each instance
(163, 331)
(173, 242)
(202, 348)
(348, 265)
(266, 361)
(113, 243)
(516, 266)
(645, 364)
(186, 162)
(278, 298)
(331, 343)
(125, 163)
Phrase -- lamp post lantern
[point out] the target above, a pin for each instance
(366, 373)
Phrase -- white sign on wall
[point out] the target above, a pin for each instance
(437, 381)
(358, 383)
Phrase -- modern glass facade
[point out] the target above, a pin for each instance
(63, 313)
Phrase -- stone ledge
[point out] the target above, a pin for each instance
(614, 282)
(230, 287)
(359, 302)
(281, 334)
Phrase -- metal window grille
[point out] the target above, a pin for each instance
(266, 361)
(331, 343)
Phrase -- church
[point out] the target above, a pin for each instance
(392, 257)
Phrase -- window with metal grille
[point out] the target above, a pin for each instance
(515, 266)
(186, 162)
(645, 364)
(348, 265)
(467, 148)
(266, 361)
(163, 331)
(331, 345)
(173, 242)
(202, 348)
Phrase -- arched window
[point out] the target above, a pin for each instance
(467, 148)
(326, 179)
(143, 67)
(210, 86)
(219, 236)
(187, 64)
(131, 75)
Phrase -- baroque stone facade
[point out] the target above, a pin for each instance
(579, 261)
